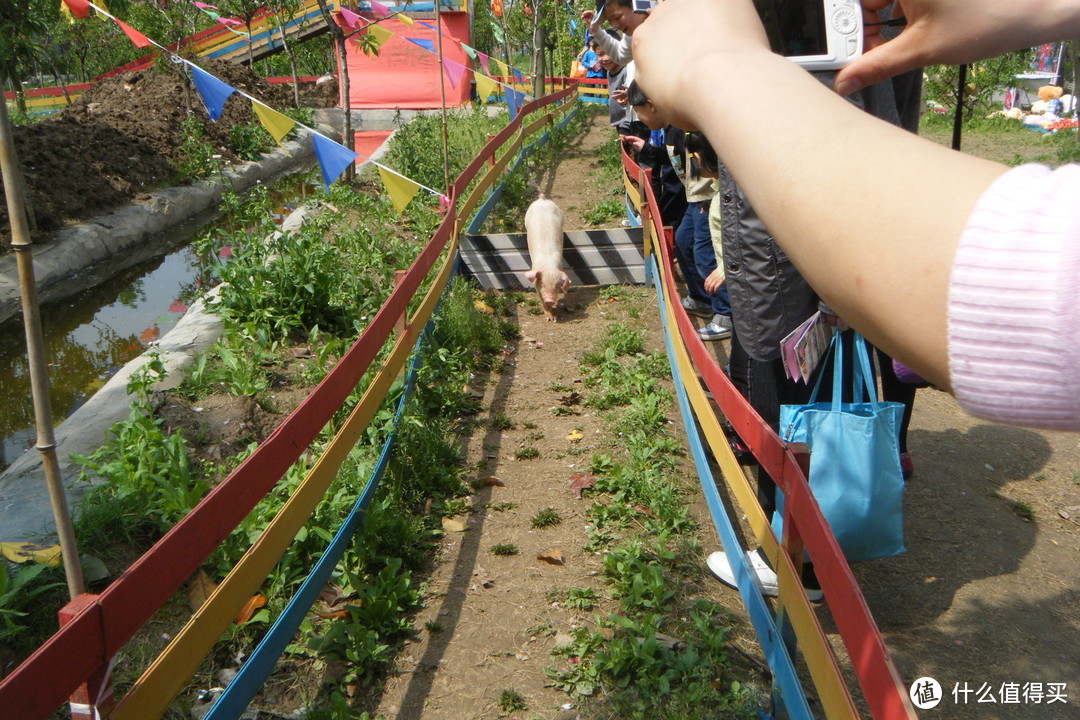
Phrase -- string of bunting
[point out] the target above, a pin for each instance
(332, 156)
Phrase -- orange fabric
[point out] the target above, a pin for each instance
(405, 75)
(366, 142)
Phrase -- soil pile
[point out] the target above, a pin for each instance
(123, 137)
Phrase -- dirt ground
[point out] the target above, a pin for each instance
(988, 592)
(122, 138)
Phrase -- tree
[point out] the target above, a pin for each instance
(339, 42)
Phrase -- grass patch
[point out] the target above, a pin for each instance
(504, 549)
(548, 517)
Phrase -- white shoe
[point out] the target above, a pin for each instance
(764, 576)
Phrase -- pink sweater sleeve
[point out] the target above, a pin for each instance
(1014, 301)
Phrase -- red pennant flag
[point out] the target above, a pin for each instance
(78, 8)
(137, 38)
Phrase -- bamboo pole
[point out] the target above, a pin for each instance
(35, 346)
(442, 97)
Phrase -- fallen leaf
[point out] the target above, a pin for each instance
(331, 595)
(333, 614)
(580, 481)
(644, 510)
(200, 587)
(606, 633)
(20, 552)
(451, 525)
(575, 436)
(1064, 514)
(300, 352)
(483, 307)
(611, 300)
(254, 603)
(573, 398)
(93, 568)
(491, 482)
(552, 557)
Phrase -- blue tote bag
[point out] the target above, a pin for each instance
(854, 459)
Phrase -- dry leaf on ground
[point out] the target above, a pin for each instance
(580, 481)
(253, 604)
(552, 557)
(451, 525)
(199, 590)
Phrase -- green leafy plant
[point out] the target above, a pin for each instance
(603, 211)
(511, 701)
(548, 517)
(504, 549)
(529, 452)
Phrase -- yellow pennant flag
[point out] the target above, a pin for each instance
(405, 19)
(401, 189)
(504, 71)
(20, 552)
(380, 34)
(484, 85)
(276, 124)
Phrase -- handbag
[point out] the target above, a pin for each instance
(854, 459)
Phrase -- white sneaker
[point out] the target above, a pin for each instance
(764, 576)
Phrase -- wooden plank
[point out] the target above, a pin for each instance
(592, 257)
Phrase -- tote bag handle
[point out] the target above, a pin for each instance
(862, 378)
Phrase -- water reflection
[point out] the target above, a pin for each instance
(91, 335)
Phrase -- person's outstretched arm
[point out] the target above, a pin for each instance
(954, 32)
(869, 214)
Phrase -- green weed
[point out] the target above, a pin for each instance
(504, 549)
(548, 517)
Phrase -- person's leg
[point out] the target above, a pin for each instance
(705, 255)
(684, 256)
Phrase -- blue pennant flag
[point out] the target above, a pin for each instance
(517, 74)
(573, 26)
(428, 25)
(214, 93)
(426, 44)
(333, 158)
(513, 101)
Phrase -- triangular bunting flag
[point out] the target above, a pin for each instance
(429, 26)
(401, 189)
(495, 28)
(423, 42)
(454, 70)
(276, 124)
(333, 158)
(484, 86)
(470, 51)
(513, 101)
(379, 9)
(483, 61)
(503, 70)
(137, 38)
(405, 19)
(78, 8)
(351, 19)
(214, 93)
(517, 74)
(228, 22)
(203, 6)
(380, 34)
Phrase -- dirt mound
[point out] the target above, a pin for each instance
(123, 137)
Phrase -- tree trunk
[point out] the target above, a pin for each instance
(339, 42)
(292, 65)
(538, 56)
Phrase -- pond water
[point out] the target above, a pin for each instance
(91, 335)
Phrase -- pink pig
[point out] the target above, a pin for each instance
(544, 228)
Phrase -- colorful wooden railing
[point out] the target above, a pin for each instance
(76, 659)
(882, 688)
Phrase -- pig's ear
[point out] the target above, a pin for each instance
(531, 275)
(565, 281)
